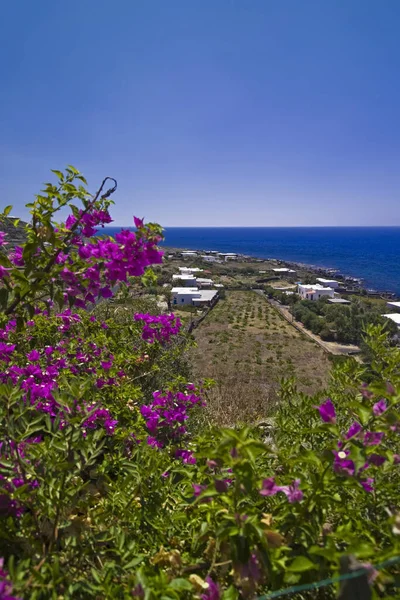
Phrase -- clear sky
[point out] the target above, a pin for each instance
(208, 112)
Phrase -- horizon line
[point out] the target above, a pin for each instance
(266, 226)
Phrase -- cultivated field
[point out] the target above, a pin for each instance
(247, 347)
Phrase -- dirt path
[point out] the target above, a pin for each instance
(331, 347)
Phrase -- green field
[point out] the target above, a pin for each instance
(247, 347)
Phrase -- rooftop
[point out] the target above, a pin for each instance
(184, 277)
(339, 301)
(393, 317)
(323, 280)
(283, 270)
(185, 290)
(190, 269)
(206, 295)
(314, 287)
(394, 304)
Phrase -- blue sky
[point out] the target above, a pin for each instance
(211, 112)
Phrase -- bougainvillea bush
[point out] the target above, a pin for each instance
(113, 484)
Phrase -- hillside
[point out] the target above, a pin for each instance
(15, 234)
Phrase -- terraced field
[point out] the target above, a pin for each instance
(247, 347)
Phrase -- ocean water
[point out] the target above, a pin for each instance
(372, 253)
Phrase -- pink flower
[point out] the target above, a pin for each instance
(33, 356)
(327, 411)
(70, 222)
(138, 222)
(367, 484)
(373, 438)
(212, 592)
(198, 489)
(221, 486)
(342, 465)
(379, 407)
(2, 238)
(293, 493)
(354, 429)
(376, 459)
(269, 487)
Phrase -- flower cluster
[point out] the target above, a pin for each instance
(158, 327)
(166, 416)
(6, 592)
(11, 478)
(89, 220)
(89, 268)
(343, 463)
(39, 376)
(292, 491)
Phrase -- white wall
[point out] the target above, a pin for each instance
(181, 299)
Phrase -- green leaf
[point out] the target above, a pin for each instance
(180, 584)
(230, 594)
(301, 564)
(7, 210)
(72, 170)
(59, 174)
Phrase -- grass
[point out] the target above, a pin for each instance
(247, 348)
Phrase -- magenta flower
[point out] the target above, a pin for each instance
(293, 493)
(269, 487)
(376, 459)
(354, 429)
(187, 457)
(2, 238)
(367, 484)
(33, 356)
(138, 222)
(221, 486)
(373, 438)
(198, 489)
(327, 411)
(342, 465)
(212, 592)
(379, 407)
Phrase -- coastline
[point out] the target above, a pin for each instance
(356, 283)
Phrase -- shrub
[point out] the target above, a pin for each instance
(112, 484)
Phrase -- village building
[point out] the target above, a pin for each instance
(328, 282)
(315, 292)
(186, 279)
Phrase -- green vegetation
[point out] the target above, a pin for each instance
(247, 348)
(116, 481)
(341, 323)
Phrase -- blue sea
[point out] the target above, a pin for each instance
(371, 253)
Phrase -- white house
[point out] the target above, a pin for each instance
(228, 255)
(395, 317)
(339, 301)
(315, 292)
(328, 282)
(190, 270)
(184, 295)
(206, 297)
(203, 282)
(187, 280)
(211, 259)
(189, 254)
(284, 272)
(395, 305)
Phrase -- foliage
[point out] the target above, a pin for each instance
(344, 324)
(111, 484)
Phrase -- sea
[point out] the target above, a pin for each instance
(369, 253)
